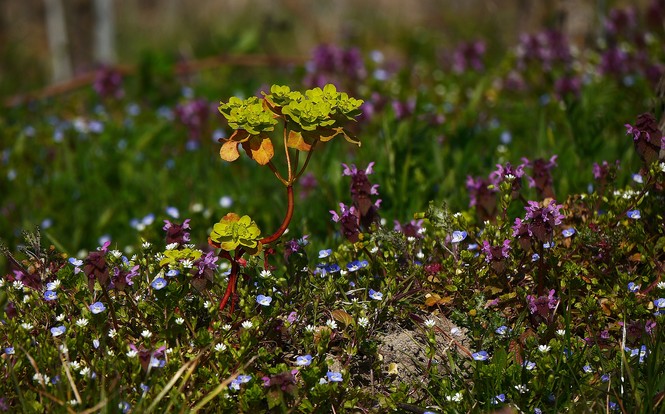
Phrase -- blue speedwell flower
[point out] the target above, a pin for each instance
(633, 287)
(568, 232)
(50, 295)
(535, 257)
(458, 236)
(499, 399)
(97, 307)
(502, 330)
(159, 283)
(356, 265)
(375, 295)
(173, 273)
(480, 356)
(10, 350)
(324, 253)
(334, 376)
(634, 214)
(58, 330)
(304, 360)
(263, 300)
(659, 303)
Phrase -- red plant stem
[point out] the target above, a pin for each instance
(233, 279)
(235, 266)
(287, 219)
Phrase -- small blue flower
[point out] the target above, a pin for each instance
(502, 330)
(633, 287)
(587, 369)
(10, 350)
(638, 178)
(473, 246)
(458, 236)
(76, 262)
(244, 378)
(535, 257)
(634, 214)
(159, 283)
(499, 399)
(334, 376)
(548, 245)
(353, 266)
(605, 378)
(52, 285)
(124, 406)
(97, 307)
(304, 360)
(157, 363)
(263, 300)
(95, 343)
(324, 253)
(58, 330)
(173, 273)
(568, 232)
(375, 295)
(529, 365)
(537, 411)
(480, 356)
(50, 295)
(173, 212)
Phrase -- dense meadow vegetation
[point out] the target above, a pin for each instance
(440, 230)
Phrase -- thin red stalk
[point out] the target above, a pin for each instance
(287, 219)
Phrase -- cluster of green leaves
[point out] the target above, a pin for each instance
(317, 115)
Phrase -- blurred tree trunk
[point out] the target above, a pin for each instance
(56, 27)
(104, 45)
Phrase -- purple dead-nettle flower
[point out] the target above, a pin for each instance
(496, 253)
(97, 307)
(176, 233)
(411, 229)
(361, 192)
(304, 360)
(159, 283)
(349, 218)
(482, 195)
(541, 177)
(647, 137)
(568, 85)
(633, 287)
(122, 276)
(108, 83)
(539, 221)
(263, 300)
(193, 115)
(375, 295)
(543, 305)
(50, 295)
(480, 356)
(206, 264)
(508, 172)
(469, 55)
(634, 214)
